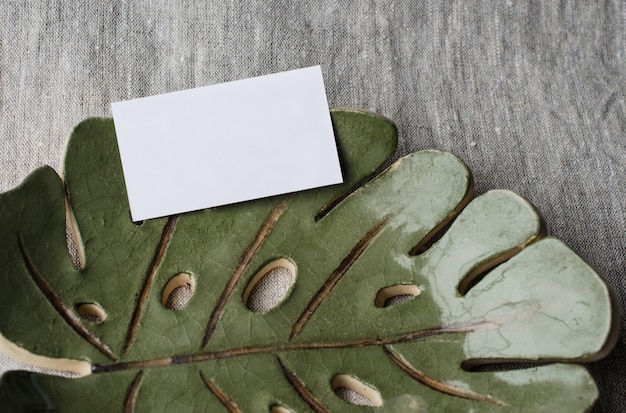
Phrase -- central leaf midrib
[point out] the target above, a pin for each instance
(291, 347)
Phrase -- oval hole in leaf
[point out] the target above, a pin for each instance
(178, 291)
(396, 294)
(270, 286)
(435, 234)
(355, 392)
(279, 409)
(91, 312)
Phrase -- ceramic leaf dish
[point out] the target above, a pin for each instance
(355, 297)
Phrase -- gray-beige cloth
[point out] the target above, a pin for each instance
(530, 94)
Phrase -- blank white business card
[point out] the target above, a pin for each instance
(226, 143)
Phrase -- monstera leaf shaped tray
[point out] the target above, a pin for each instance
(356, 297)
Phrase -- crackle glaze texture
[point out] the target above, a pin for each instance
(493, 288)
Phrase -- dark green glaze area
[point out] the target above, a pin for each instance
(532, 297)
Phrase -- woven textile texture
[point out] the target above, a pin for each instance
(530, 94)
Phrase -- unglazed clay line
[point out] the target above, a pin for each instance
(290, 347)
(140, 305)
(254, 247)
(435, 384)
(129, 406)
(65, 312)
(222, 397)
(300, 388)
(335, 277)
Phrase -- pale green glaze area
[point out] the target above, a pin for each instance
(542, 303)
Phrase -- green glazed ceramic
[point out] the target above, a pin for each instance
(355, 297)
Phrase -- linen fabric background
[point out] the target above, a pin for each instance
(530, 94)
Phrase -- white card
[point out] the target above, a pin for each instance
(226, 143)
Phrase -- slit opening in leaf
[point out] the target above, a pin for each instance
(477, 275)
(355, 392)
(270, 286)
(336, 200)
(432, 237)
(487, 365)
(442, 228)
(73, 239)
(480, 271)
(396, 294)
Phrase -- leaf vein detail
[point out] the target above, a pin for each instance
(221, 396)
(435, 384)
(258, 241)
(335, 277)
(301, 389)
(133, 390)
(65, 312)
(140, 305)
